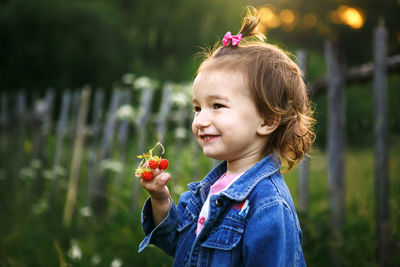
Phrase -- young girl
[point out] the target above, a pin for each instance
(251, 110)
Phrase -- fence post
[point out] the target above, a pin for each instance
(164, 111)
(382, 191)
(39, 113)
(76, 99)
(4, 119)
(77, 156)
(61, 131)
(180, 133)
(100, 203)
(304, 164)
(93, 157)
(4, 111)
(47, 124)
(21, 128)
(336, 129)
(141, 122)
(123, 131)
(49, 112)
(144, 112)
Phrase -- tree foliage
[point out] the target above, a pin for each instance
(59, 43)
(69, 43)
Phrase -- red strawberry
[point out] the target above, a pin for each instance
(163, 164)
(147, 175)
(153, 164)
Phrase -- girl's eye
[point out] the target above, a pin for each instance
(218, 106)
(196, 109)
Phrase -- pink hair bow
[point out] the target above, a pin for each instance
(235, 39)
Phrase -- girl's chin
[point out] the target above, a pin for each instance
(213, 154)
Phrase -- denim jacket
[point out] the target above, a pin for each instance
(251, 223)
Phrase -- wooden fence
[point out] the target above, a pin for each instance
(77, 120)
(335, 82)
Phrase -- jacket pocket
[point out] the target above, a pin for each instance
(224, 237)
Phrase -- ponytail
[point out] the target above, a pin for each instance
(249, 25)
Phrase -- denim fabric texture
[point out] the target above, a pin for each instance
(252, 223)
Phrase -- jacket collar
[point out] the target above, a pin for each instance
(240, 189)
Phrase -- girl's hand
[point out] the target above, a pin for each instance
(157, 187)
(154, 180)
(160, 201)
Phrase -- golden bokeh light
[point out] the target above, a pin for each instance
(268, 18)
(266, 13)
(309, 20)
(335, 17)
(348, 15)
(287, 16)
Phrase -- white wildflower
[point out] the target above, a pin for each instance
(187, 88)
(128, 78)
(126, 112)
(48, 174)
(116, 263)
(180, 99)
(75, 252)
(111, 165)
(36, 163)
(96, 259)
(27, 172)
(59, 171)
(143, 83)
(180, 133)
(86, 211)
(40, 107)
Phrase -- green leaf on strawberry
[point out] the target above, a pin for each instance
(151, 162)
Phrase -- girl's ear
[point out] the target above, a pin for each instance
(267, 127)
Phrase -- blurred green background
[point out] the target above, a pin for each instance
(66, 44)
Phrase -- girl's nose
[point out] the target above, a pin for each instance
(201, 120)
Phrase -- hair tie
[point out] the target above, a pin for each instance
(235, 39)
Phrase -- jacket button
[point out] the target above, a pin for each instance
(219, 202)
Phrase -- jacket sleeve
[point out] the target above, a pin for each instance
(163, 235)
(272, 237)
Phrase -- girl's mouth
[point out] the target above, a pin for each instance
(208, 138)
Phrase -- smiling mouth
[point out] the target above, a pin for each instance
(208, 138)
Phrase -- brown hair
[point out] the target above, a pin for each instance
(277, 88)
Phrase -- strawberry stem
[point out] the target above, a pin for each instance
(148, 156)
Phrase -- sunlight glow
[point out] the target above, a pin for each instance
(268, 18)
(287, 16)
(348, 15)
(309, 20)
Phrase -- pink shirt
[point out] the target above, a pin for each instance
(220, 185)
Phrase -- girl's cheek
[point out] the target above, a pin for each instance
(194, 129)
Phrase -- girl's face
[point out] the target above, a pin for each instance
(226, 122)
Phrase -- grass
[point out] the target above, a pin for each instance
(358, 244)
(32, 234)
